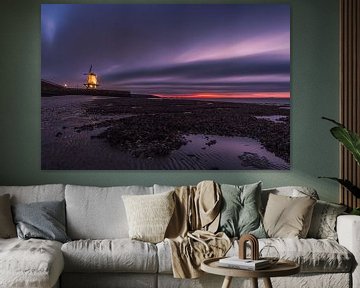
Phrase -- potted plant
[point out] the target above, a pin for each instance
(351, 141)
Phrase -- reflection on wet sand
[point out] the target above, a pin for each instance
(85, 132)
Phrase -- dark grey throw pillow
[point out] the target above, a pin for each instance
(240, 213)
(44, 220)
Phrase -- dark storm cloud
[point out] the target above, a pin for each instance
(242, 66)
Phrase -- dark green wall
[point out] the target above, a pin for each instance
(314, 68)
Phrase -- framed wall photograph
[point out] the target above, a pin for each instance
(165, 87)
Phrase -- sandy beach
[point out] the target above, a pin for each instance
(130, 133)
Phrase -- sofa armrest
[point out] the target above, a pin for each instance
(348, 230)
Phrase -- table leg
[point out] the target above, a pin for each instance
(227, 282)
(267, 283)
(254, 282)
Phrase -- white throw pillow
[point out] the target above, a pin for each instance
(149, 215)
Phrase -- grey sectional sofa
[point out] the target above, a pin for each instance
(101, 255)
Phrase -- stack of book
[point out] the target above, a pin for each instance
(248, 264)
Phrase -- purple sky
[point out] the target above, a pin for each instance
(169, 49)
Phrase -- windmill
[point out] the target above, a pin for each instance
(91, 79)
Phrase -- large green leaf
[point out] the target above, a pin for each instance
(348, 138)
(348, 185)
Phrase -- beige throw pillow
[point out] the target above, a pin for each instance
(7, 226)
(288, 217)
(149, 215)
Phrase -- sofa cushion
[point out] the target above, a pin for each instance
(30, 263)
(287, 216)
(291, 191)
(117, 255)
(36, 193)
(98, 213)
(7, 226)
(313, 255)
(164, 257)
(149, 215)
(163, 188)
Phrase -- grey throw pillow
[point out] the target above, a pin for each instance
(44, 220)
(240, 213)
(323, 222)
(7, 227)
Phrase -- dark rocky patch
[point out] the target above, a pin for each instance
(249, 159)
(210, 143)
(159, 125)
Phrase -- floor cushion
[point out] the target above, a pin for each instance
(30, 263)
(115, 255)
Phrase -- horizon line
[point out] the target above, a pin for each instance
(241, 95)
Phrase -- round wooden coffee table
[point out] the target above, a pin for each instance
(281, 268)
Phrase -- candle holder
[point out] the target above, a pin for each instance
(254, 246)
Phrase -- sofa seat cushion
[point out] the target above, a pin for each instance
(30, 263)
(115, 255)
(313, 255)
